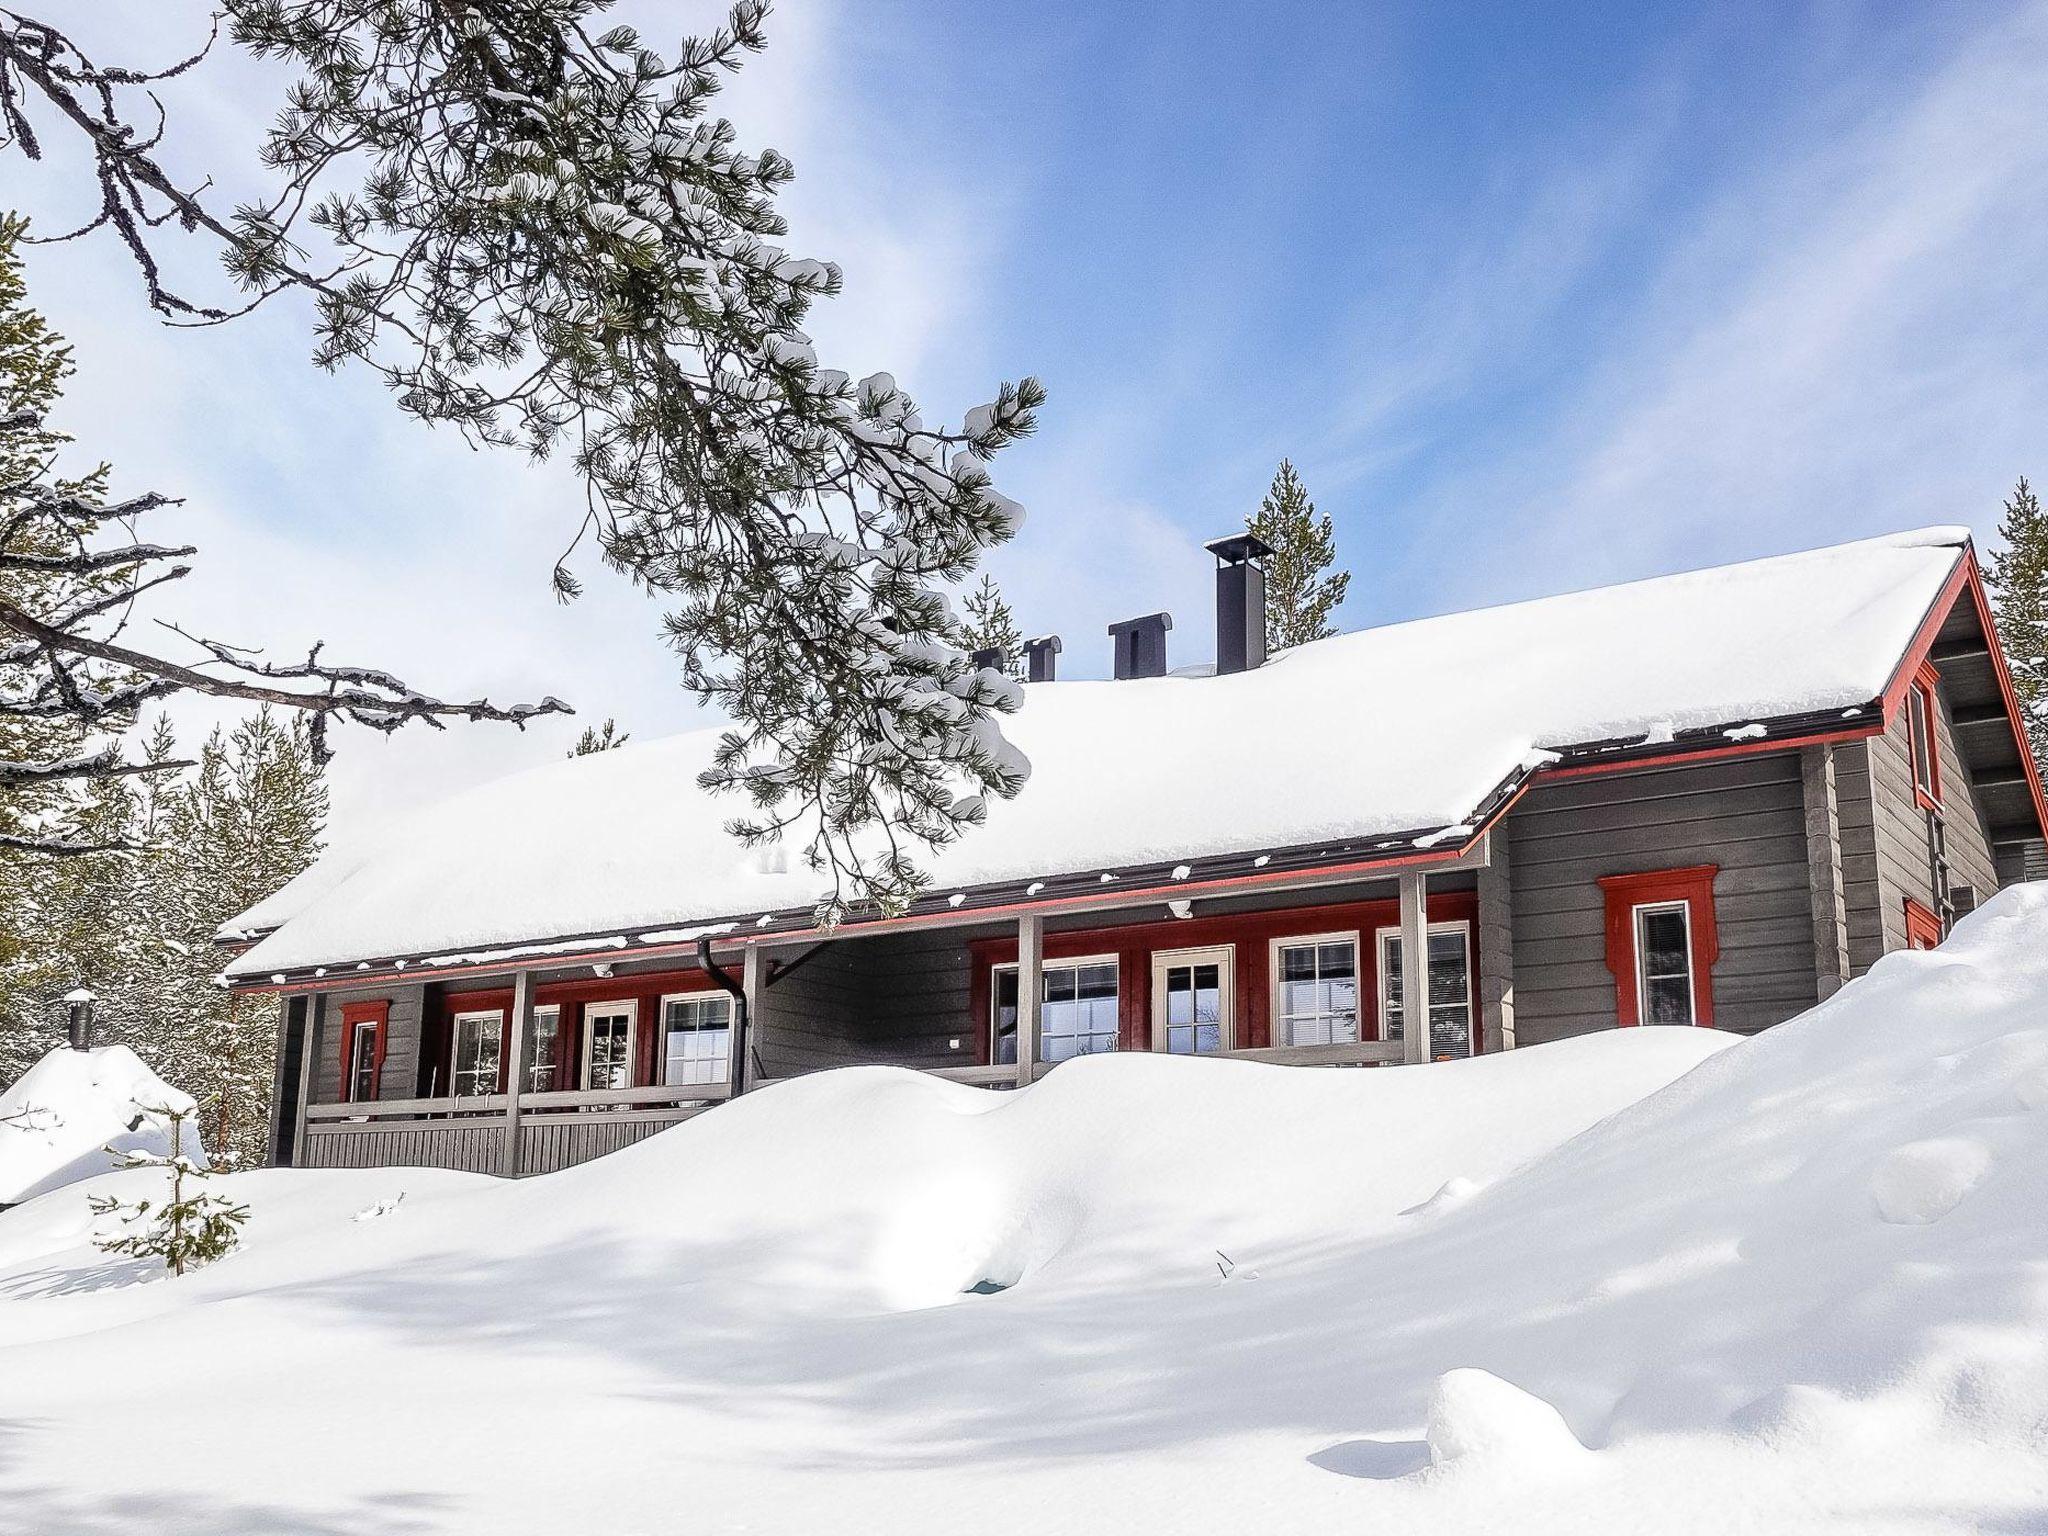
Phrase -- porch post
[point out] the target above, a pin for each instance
(1030, 989)
(1414, 966)
(515, 1069)
(316, 1010)
(754, 982)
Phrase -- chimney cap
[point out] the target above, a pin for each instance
(1049, 642)
(1161, 620)
(1237, 548)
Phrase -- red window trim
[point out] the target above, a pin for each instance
(1695, 887)
(1921, 694)
(1923, 928)
(353, 1017)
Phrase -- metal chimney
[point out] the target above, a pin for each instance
(1141, 645)
(1039, 658)
(1240, 601)
(80, 1003)
(993, 656)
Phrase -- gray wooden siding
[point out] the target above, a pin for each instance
(1746, 815)
(1886, 855)
(401, 1045)
(899, 998)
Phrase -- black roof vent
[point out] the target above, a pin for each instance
(1039, 657)
(1141, 645)
(1240, 601)
(993, 656)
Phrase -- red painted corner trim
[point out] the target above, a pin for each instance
(1694, 886)
(353, 1017)
(1923, 928)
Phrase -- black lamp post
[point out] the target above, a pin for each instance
(80, 1002)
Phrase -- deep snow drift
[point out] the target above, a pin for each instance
(1803, 1287)
(74, 1113)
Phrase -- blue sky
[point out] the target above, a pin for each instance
(1535, 297)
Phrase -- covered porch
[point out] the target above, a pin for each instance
(541, 1067)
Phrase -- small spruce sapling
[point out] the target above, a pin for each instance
(992, 626)
(186, 1230)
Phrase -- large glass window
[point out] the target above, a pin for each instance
(479, 1041)
(1316, 991)
(1076, 1018)
(696, 1033)
(1191, 1000)
(608, 1048)
(1664, 963)
(1449, 989)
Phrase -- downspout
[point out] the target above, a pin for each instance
(742, 1031)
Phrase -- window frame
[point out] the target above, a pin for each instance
(1923, 926)
(1060, 963)
(355, 1018)
(1194, 954)
(533, 1062)
(630, 1006)
(1684, 909)
(1923, 731)
(696, 995)
(1692, 885)
(1276, 1013)
(1474, 1044)
(455, 1023)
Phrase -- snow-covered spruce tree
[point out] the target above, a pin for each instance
(594, 739)
(74, 568)
(2019, 589)
(188, 1228)
(1301, 589)
(991, 626)
(537, 231)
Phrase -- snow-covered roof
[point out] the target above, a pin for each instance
(1400, 729)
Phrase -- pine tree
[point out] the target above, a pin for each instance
(2019, 586)
(991, 626)
(249, 819)
(595, 740)
(1300, 596)
(188, 1229)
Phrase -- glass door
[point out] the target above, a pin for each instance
(608, 1045)
(1191, 1000)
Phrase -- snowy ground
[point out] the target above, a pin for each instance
(1802, 1288)
(77, 1113)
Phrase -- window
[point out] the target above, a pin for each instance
(608, 1045)
(478, 1044)
(1662, 942)
(1192, 1000)
(547, 1044)
(696, 1032)
(1664, 963)
(1449, 989)
(1315, 990)
(364, 1028)
(1076, 1018)
(1922, 742)
(1923, 928)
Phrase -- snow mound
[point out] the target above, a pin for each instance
(1926, 1180)
(74, 1113)
(1474, 1416)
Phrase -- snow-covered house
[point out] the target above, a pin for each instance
(1703, 799)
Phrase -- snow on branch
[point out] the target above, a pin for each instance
(71, 569)
(544, 238)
